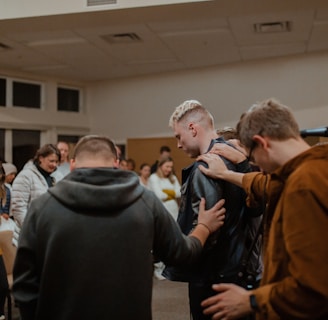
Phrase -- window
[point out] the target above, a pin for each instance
(26, 95)
(2, 92)
(69, 139)
(68, 99)
(25, 145)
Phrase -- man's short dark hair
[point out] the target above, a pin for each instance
(164, 149)
(94, 144)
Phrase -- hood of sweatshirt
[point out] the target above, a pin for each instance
(98, 189)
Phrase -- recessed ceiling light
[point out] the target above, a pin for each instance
(129, 37)
(4, 46)
(272, 27)
(100, 2)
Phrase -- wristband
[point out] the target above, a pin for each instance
(203, 224)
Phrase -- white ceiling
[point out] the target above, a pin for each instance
(171, 37)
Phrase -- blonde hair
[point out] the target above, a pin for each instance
(159, 171)
(191, 110)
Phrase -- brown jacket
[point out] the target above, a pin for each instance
(295, 278)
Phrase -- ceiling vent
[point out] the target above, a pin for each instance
(272, 27)
(122, 38)
(100, 2)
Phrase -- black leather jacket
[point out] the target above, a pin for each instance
(224, 250)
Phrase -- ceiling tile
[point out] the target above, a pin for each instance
(203, 47)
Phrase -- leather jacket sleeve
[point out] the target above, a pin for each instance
(195, 186)
(204, 187)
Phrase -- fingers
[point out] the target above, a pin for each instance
(206, 157)
(211, 301)
(214, 217)
(202, 204)
(213, 306)
(207, 172)
(218, 210)
(203, 169)
(218, 148)
(219, 204)
(220, 287)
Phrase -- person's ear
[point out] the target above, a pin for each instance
(116, 163)
(261, 141)
(72, 164)
(192, 128)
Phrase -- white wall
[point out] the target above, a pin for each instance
(141, 107)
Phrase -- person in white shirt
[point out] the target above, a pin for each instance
(166, 186)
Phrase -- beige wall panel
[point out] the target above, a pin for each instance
(147, 150)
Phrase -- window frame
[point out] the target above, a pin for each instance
(80, 97)
(10, 92)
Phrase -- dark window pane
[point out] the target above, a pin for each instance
(69, 139)
(26, 95)
(25, 145)
(68, 99)
(2, 92)
(2, 145)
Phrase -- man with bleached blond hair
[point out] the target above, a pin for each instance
(193, 127)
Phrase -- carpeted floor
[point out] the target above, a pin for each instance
(170, 301)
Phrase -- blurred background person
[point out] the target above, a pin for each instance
(144, 174)
(8, 174)
(32, 181)
(123, 164)
(227, 133)
(63, 169)
(164, 152)
(166, 187)
(131, 164)
(5, 207)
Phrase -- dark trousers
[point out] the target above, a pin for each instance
(198, 293)
(4, 288)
